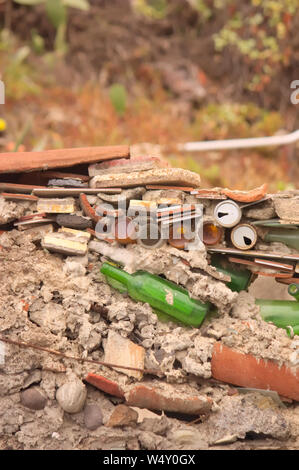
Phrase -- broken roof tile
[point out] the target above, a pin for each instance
(87, 209)
(167, 397)
(246, 196)
(19, 188)
(17, 162)
(106, 385)
(74, 192)
(19, 197)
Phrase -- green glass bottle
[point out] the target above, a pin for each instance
(160, 294)
(240, 276)
(287, 236)
(282, 313)
(294, 291)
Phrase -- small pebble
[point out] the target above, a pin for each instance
(71, 396)
(33, 398)
(122, 415)
(93, 417)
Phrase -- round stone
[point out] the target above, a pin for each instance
(93, 417)
(71, 396)
(33, 398)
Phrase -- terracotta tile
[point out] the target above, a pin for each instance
(36, 215)
(106, 385)
(246, 196)
(19, 197)
(246, 370)
(74, 192)
(168, 398)
(17, 162)
(87, 209)
(19, 188)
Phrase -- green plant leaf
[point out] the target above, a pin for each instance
(38, 42)
(118, 98)
(56, 12)
(60, 41)
(80, 4)
(29, 2)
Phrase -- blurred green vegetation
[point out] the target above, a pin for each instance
(256, 30)
(56, 11)
(234, 120)
(42, 112)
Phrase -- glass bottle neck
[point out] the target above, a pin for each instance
(115, 273)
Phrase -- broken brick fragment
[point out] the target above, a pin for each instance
(167, 397)
(73, 192)
(19, 188)
(123, 352)
(106, 385)
(19, 197)
(87, 209)
(246, 196)
(246, 370)
(122, 415)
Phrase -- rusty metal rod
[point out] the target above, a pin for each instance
(22, 344)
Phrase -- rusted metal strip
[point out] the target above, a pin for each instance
(23, 344)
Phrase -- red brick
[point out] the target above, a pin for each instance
(169, 398)
(245, 370)
(106, 385)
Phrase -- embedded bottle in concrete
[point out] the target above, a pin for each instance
(161, 294)
(289, 237)
(283, 313)
(294, 291)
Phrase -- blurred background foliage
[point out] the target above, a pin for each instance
(100, 72)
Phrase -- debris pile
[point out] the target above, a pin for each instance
(124, 317)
